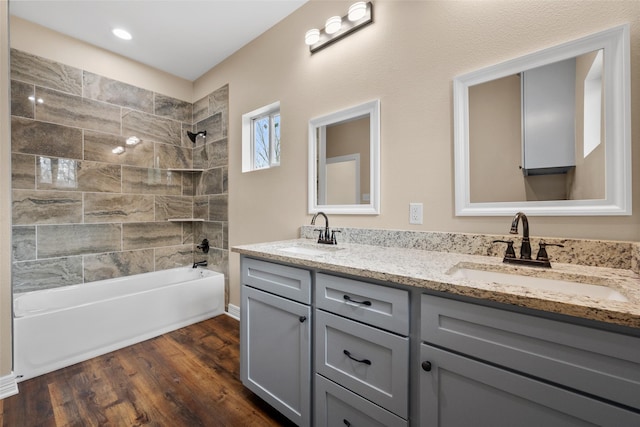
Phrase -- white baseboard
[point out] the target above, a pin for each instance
(233, 311)
(8, 386)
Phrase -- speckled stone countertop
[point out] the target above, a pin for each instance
(434, 270)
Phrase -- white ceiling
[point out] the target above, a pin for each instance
(185, 38)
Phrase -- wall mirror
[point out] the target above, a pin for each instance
(548, 133)
(344, 161)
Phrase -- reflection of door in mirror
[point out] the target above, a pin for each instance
(341, 179)
(497, 110)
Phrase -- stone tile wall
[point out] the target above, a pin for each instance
(82, 213)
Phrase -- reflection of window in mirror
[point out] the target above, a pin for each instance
(593, 104)
(588, 178)
(261, 138)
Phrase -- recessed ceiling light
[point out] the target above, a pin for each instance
(133, 140)
(123, 34)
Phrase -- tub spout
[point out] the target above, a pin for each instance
(200, 264)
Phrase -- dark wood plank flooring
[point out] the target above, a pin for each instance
(189, 377)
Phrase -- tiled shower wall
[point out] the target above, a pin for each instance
(82, 213)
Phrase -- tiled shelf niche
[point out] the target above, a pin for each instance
(186, 219)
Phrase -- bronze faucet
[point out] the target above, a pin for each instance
(525, 249)
(325, 237)
(542, 259)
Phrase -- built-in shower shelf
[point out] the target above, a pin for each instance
(185, 170)
(186, 220)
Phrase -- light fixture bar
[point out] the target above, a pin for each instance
(347, 28)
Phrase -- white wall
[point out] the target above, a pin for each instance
(407, 58)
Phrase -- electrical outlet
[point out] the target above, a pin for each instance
(415, 213)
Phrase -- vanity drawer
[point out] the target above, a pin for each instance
(289, 282)
(337, 406)
(602, 363)
(366, 360)
(381, 306)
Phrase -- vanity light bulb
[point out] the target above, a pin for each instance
(357, 11)
(333, 25)
(312, 36)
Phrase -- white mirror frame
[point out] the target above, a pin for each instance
(372, 109)
(615, 43)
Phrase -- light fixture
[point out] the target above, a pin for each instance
(312, 36)
(359, 15)
(118, 150)
(133, 140)
(333, 25)
(122, 34)
(357, 11)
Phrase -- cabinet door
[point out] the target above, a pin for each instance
(457, 391)
(593, 361)
(275, 352)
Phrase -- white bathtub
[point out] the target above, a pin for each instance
(54, 328)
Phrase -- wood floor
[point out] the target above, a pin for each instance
(189, 377)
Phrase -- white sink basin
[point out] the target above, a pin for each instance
(541, 283)
(312, 251)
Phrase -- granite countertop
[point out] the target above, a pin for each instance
(433, 270)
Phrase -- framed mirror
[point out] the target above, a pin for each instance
(344, 161)
(548, 133)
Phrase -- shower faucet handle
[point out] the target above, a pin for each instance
(204, 246)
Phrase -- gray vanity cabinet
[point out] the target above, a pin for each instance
(275, 336)
(489, 367)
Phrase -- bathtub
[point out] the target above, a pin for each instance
(54, 328)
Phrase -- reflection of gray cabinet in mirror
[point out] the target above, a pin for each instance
(344, 161)
(548, 111)
(489, 106)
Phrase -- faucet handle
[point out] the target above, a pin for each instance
(333, 236)
(542, 252)
(510, 252)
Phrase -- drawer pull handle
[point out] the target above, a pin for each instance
(302, 319)
(348, 298)
(346, 422)
(426, 365)
(365, 361)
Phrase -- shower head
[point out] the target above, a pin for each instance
(192, 136)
